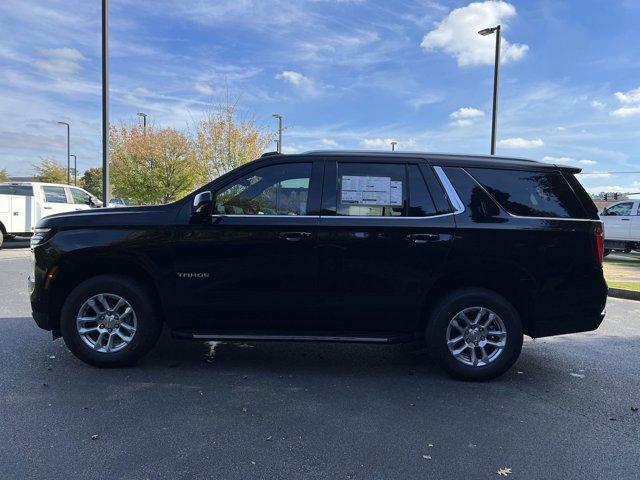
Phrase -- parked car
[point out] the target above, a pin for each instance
(468, 253)
(621, 226)
(117, 202)
(23, 204)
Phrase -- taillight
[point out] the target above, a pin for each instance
(599, 233)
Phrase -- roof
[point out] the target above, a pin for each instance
(449, 159)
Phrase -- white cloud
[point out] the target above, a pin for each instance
(329, 142)
(625, 112)
(203, 88)
(597, 104)
(466, 116)
(631, 102)
(518, 142)
(457, 34)
(630, 97)
(561, 160)
(377, 143)
(587, 162)
(60, 62)
(302, 83)
(424, 99)
(561, 129)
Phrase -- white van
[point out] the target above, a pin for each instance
(23, 204)
(621, 226)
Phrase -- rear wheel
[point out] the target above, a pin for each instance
(606, 251)
(474, 334)
(110, 321)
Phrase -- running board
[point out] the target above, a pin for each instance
(342, 337)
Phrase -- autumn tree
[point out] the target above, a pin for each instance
(224, 139)
(50, 171)
(91, 181)
(156, 165)
(4, 176)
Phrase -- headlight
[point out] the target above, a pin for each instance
(39, 236)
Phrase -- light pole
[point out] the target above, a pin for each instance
(144, 120)
(68, 154)
(393, 146)
(279, 117)
(496, 69)
(75, 170)
(105, 102)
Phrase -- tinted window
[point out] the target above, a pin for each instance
(620, 210)
(529, 193)
(273, 190)
(80, 196)
(54, 194)
(21, 190)
(371, 189)
(479, 205)
(420, 201)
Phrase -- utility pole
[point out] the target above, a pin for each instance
(68, 152)
(393, 146)
(144, 120)
(279, 117)
(105, 102)
(75, 170)
(496, 70)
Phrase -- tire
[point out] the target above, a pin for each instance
(606, 252)
(1, 238)
(105, 352)
(440, 328)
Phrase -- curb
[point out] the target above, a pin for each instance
(622, 293)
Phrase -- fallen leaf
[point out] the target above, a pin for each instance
(503, 472)
(94, 437)
(431, 444)
(269, 438)
(52, 357)
(519, 372)
(634, 409)
(244, 409)
(577, 375)
(426, 457)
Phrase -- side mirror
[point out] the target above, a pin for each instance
(202, 204)
(94, 202)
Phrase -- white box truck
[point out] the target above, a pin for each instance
(23, 204)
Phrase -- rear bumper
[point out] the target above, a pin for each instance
(561, 326)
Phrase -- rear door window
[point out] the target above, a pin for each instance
(20, 190)
(54, 194)
(371, 189)
(420, 201)
(530, 193)
(620, 210)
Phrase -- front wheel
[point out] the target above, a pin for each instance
(474, 334)
(110, 321)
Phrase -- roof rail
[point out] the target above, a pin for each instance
(270, 154)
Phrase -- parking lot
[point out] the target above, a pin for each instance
(568, 409)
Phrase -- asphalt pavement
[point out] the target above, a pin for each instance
(314, 411)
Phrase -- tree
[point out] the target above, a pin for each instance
(224, 140)
(91, 181)
(154, 165)
(4, 176)
(50, 171)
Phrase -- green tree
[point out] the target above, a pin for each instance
(4, 176)
(225, 140)
(91, 181)
(154, 165)
(50, 171)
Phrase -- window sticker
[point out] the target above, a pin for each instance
(365, 190)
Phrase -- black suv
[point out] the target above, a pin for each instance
(467, 252)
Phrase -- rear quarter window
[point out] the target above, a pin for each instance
(531, 193)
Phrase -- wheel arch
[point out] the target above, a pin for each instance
(512, 284)
(76, 269)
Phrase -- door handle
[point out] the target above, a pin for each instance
(47, 208)
(423, 237)
(294, 236)
(625, 219)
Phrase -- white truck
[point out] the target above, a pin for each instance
(621, 226)
(23, 204)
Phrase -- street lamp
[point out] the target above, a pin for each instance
(393, 146)
(144, 120)
(496, 68)
(75, 170)
(105, 102)
(68, 150)
(279, 117)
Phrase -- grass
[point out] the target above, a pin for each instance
(635, 286)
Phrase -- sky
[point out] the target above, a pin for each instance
(353, 74)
